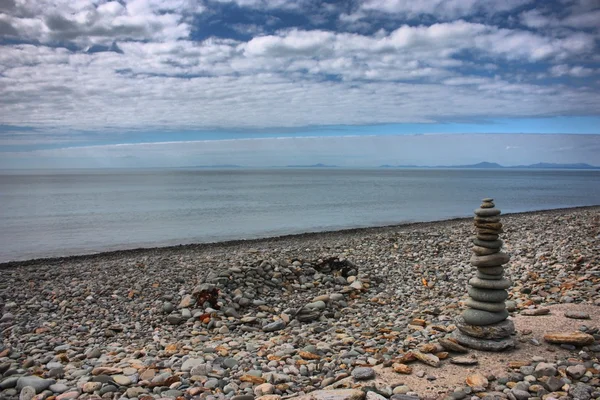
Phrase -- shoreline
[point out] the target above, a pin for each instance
(306, 315)
(157, 250)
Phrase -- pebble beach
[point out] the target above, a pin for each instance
(364, 313)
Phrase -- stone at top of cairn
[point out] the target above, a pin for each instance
(484, 325)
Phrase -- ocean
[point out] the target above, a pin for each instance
(69, 212)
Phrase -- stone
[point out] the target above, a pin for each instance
(451, 345)
(374, 396)
(519, 394)
(484, 344)
(274, 326)
(483, 251)
(464, 361)
(544, 369)
(174, 319)
(554, 383)
(473, 316)
(477, 380)
(425, 358)
(536, 311)
(496, 244)
(481, 305)
(168, 307)
(487, 212)
(483, 275)
(487, 295)
(192, 363)
(91, 387)
(402, 368)
(490, 284)
(35, 382)
(576, 371)
(363, 373)
(494, 331)
(58, 388)
(487, 236)
(491, 260)
(187, 301)
(575, 338)
(577, 315)
(341, 394)
(27, 393)
(497, 272)
(121, 380)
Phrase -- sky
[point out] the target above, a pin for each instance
(94, 83)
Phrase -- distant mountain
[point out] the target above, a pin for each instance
(489, 165)
(319, 165)
(216, 166)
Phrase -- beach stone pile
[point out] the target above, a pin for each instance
(484, 324)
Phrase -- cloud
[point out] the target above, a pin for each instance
(131, 65)
(577, 71)
(88, 22)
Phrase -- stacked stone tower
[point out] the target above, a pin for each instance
(484, 325)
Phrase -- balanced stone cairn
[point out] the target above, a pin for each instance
(484, 324)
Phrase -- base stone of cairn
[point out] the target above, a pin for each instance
(484, 324)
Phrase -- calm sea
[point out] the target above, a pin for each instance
(67, 212)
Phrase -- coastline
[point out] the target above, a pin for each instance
(305, 315)
(269, 240)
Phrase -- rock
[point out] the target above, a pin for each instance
(487, 212)
(35, 382)
(91, 387)
(167, 307)
(27, 393)
(58, 388)
(576, 371)
(342, 394)
(481, 305)
(581, 391)
(554, 384)
(496, 244)
(174, 319)
(363, 373)
(494, 331)
(451, 345)
(488, 295)
(402, 368)
(264, 389)
(73, 394)
(186, 302)
(374, 396)
(544, 369)
(483, 251)
(476, 317)
(577, 315)
(484, 344)
(536, 311)
(486, 275)
(464, 361)
(495, 284)
(520, 394)
(491, 260)
(106, 371)
(121, 380)
(477, 380)
(575, 338)
(274, 326)
(428, 359)
(192, 363)
(94, 353)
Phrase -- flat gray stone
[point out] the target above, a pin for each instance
(481, 305)
(491, 260)
(577, 315)
(495, 244)
(484, 344)
(473, 316)
(497, 271)
(487, 212)
(482, 275)
(483, 251)
(35, 382)
(496, 284)
(363, 373)
(488, 295)
(274, 326)
(487, 236)
(494, 331)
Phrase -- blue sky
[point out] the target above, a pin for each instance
(80, 76)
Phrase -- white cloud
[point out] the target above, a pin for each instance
(577, 71)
